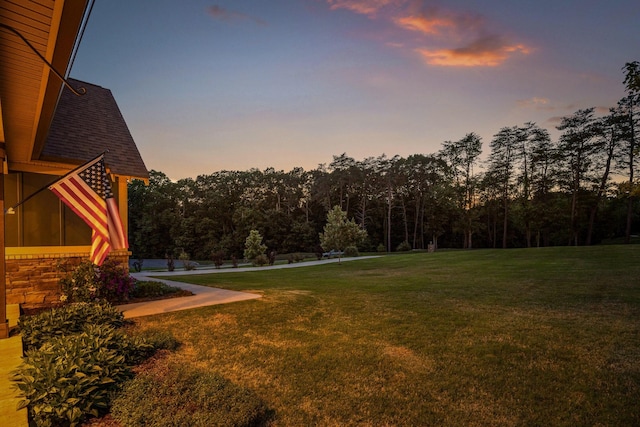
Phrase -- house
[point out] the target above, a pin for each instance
(43, 231)
(46, 131)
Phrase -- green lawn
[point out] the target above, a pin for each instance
(487, 337)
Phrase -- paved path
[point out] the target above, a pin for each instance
(10, 359)
(204, 295)
(209, 270)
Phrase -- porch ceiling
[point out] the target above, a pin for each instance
(28, 89)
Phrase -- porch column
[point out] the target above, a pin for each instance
(4, 323)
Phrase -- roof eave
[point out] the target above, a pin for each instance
(29, 90)
(68, 17)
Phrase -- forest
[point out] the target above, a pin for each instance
(528, 191)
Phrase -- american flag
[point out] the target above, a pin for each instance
(87, 191)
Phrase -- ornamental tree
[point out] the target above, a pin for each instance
(253, 246)
(339, 232)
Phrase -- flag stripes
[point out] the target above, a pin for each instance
(87, 191)
(117, 236)
(86, 203)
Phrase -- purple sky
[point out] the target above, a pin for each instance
(212, 85)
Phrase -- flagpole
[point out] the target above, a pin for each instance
(10, 210)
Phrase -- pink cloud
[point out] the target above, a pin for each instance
(488, 51)
(423, 24)
(472, 43)
(363, 7)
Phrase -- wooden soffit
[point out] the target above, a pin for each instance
(29, 91)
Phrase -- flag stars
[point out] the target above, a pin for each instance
(96, 177)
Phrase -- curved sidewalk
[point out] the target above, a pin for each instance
(203, 295)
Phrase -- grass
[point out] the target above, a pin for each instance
(490, 337)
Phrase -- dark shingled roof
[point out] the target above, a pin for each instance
(85, 126)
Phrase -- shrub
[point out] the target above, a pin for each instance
(186, 263)
(81, 284)
(403, 247)
(114, 282)
(88, 282)
(261, 260)
(72, 376)
(66, 320)
(381, 248)
(76, 358)
(218, 258)
(183, 395)
(151, 289)
(351, 251)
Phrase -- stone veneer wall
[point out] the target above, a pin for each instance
(33, 281)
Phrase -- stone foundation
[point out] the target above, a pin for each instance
(33, 281)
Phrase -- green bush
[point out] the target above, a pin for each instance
(351, 251)
(261, 260)
(381, 248)
(87, 282)
(76, 358)
(186, 261)
(80, 284)
(296, 257)
(66, 320)
(73, 376)
(186, 396)
(151, 288)
(403, 247)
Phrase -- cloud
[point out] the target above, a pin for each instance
(222, 14)
(487, 51)
(536, 103)
(423, 24)
(363, 7)
(441, 37)
(436, 21)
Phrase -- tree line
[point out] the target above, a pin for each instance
(530, 191)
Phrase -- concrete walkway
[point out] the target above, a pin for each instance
(204, 295)
(212, 269)
(10, 359)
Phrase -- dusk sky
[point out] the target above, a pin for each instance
(231, 85)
